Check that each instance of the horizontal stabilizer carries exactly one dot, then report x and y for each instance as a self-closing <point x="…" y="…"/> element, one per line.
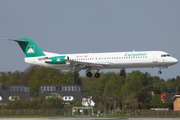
<point x="16" y="40"/>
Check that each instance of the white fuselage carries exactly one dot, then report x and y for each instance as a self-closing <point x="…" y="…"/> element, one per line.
<point x="111" y="60"/>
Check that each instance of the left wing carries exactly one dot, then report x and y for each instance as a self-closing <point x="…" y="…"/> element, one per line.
<point x="78" y="65"/>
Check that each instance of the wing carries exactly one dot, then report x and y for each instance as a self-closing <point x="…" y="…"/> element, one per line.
<point x="78" y="65"/>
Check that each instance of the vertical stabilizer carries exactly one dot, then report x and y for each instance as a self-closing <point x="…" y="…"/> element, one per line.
<point x="29" y="47"/>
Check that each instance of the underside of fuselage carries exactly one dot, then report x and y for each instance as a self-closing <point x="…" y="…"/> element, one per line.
<point x="111" y="66"/>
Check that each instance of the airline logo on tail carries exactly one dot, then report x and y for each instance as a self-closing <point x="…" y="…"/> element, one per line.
<point x="30" y="49"/>
<point x="58" y="59"/>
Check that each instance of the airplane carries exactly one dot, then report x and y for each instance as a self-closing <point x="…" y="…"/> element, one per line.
<point x="94" y="61"/>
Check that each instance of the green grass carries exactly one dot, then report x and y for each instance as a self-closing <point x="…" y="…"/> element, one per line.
<point x="138" y="116"/>
<point x="107" y="116"/>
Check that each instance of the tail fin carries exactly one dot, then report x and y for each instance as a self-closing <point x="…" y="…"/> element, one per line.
<point x="29" y="47"/>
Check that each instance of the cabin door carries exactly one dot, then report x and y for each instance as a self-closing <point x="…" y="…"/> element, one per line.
<point x="155" y="60"/>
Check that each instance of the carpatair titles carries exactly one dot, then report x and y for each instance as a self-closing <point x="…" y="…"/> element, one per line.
<point x="134" y="54"/>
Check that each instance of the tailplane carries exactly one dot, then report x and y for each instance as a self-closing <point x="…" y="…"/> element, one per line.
<point x="29" y="47"/>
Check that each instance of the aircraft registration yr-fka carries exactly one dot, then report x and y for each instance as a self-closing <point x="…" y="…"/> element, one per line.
<point x="94" y="61"/>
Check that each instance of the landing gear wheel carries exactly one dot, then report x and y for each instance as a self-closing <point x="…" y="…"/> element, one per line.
<point x="89" y="74"/>
<point x="96" y="75"/>
<point x="159" y="72"/>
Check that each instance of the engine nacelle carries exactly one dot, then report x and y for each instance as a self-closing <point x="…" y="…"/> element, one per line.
<point x="56" y="60"/>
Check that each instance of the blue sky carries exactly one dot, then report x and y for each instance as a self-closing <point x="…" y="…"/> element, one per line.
<point x="89" y="26"/>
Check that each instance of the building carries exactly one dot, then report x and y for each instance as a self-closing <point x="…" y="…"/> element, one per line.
<point x="176" y="101"/>
<point x="167" y="97"/>
<point x="69" y="93"/>
<point x="8" y="91"/>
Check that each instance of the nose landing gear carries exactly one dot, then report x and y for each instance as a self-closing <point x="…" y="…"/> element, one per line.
<point x="159" y="71"/>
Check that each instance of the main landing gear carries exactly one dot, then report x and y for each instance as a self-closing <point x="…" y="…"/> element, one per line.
<point x="89" y="74"/>
<point x="96" y="75"/>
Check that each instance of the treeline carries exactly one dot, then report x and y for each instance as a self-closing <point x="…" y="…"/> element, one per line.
<point x="34" y="76"/>
<point x="111" y="90"/>
<point x="131" y="90"/>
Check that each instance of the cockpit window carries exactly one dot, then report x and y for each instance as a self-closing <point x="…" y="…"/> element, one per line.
<point x="165" y="55"/>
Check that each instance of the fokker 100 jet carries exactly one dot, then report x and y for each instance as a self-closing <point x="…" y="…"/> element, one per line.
<point x="94" y="61"/>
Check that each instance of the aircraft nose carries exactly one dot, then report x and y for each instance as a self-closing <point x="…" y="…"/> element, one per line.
<point x="176" y="61"/>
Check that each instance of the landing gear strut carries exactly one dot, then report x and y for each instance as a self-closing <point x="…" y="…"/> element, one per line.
<point x="160" y="70"/>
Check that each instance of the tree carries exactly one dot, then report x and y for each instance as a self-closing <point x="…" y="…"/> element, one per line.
<point x="113" y="88"/>
<point x="77" y="78"/>
<point x="178" y="88"/>
<point x="13" y="78"/>
<point x="15" y="102"/>
<point x="28" y="74"/>
<point x="130" y="91"/>
<point x="176" y="82"/>
<point x="123" y="72"/>
<point x="45" y="76"/>
<point x="56" y="101"/>
<point x="91" y="87"/>
<point x="35" y="103"/>
<point x="156" y="99"/>
<point x="144" y="97"/>
<point x="146" y="79"/>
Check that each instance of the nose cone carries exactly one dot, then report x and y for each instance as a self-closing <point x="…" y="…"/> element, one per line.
<point x="175" y="61"/>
